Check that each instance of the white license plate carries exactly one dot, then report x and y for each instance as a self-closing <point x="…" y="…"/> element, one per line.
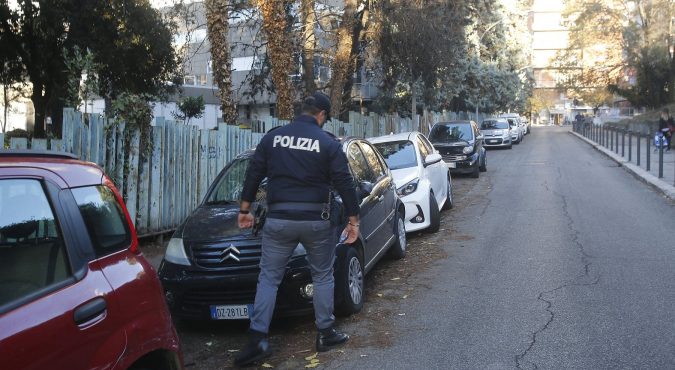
<point x="452" y="165"/>
<point x="231" y="312"/>
<point x="492" y="141"/>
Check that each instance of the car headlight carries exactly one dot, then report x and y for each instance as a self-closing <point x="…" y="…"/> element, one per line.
<point x="467" y="150"/>
<point x="408" y="188"/>
<point x="499" y="132"/>
<point x="175" y="252"/>
<point x="299" y="251"/>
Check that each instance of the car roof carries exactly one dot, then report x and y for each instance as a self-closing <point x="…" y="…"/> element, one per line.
<point x="403" y="136"/>
<point x="62" y="168"/>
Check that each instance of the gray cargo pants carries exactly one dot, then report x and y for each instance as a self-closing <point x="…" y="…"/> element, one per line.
<point x="280" y="237"/>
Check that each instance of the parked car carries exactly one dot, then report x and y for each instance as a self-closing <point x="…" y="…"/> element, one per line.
<point x="460" y="143"/>
<point x="75" y="291"/>
<point x="515" y="122"/>
<point x="422" y="178"/>
<point x="497" y="133"/>
<point x="211" y="267"/>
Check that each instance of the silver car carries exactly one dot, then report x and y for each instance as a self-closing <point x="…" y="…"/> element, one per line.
<point x="497" y="133"/>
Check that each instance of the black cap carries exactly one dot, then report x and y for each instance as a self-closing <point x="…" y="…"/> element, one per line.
<point x="320" y="101"/>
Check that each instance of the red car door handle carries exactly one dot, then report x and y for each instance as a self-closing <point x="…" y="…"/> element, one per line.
<point x="90" y="311"/>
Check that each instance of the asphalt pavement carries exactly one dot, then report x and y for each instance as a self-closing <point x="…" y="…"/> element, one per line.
<point x="565" y="262"/>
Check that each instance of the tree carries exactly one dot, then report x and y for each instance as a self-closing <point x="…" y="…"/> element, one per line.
<point x="280" y="51"/>
<point x="217" y="21"/>
<point x="349" y="37"/>
<point x="421" y="44"/>
<point x="308" y="14"/>
<point x="621" y="46"/>
<point x="189" y="108"/>
<point x="129" y="40"/>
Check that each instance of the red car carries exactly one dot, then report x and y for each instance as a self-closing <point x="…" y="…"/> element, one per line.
<point x="75" y="291"/>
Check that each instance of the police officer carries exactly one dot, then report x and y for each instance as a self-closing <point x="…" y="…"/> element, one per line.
<point x="301" y="161"/>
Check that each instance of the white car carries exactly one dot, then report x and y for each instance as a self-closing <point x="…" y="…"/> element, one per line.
<point x="514" y="118"/>
<point x="421" y="176"/>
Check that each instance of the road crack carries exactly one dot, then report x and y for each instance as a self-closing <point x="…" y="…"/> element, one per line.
<point x="583" y="279"/>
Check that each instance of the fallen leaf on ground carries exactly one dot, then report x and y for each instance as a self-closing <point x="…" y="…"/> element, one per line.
<point x="232" y="350"/>
<point x="364" y="355"/>
<point x="209" y="343"/>
<point x="315" y="361"/>
<point x="405" y="296"/>
<point x="267" y="365"/>
<point x="379" y="294"/>
<point x="396" y="278"/>
<point x="312" y="365"/>
<point x="401" y="314"/>
<point x="310" y="358"/>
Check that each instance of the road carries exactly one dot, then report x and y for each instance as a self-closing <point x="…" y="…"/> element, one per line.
<point x="556" y="258"/>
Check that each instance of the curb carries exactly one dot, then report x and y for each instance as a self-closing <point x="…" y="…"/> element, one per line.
<point x="661" y="186"/>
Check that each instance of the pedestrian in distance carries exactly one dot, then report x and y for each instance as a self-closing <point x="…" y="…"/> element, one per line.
<point x="665" y="126"/>
<point x="301" y="162"/>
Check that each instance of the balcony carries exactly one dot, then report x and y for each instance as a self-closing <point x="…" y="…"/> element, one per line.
<point x="364" y="91"/>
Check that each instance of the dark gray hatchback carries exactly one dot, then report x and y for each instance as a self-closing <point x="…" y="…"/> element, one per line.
<point x="211" y="267"/>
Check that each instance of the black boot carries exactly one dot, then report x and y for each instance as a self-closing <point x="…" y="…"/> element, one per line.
<point x="326" y="339"/>
<point x="257" y="348"/>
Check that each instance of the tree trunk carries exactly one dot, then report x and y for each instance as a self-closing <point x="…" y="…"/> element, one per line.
<point x="309" y="45"/>
<point x="344" y="64"/>
<point x="40" y="106"/>
<point x="218" y="27"/>
<point x="279" y="50"/>
<point x="5" y="107"/>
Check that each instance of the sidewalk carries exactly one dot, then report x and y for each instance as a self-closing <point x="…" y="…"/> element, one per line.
<point x="664" y="185"/>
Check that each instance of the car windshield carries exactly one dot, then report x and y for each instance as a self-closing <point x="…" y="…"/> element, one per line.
<point x="398" y="154"/>
<point x="494" y="125"/>
<point x="231" y="183"/>
<point x="451" y="133"/>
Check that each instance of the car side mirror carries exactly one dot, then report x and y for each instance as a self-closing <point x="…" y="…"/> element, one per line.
<point x="431" y="159"/>
<point x="366" y="188"/>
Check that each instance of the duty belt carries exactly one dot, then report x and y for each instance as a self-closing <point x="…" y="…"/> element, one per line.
<point x="324" y="208"/>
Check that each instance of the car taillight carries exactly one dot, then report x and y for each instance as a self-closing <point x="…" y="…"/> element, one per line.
<point x="133" y="247"/>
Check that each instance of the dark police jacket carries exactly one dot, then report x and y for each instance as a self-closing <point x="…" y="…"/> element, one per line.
<point x="301" y="162"/>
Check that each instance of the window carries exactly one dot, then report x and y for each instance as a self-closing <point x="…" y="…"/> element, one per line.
<point x="32" y="252"/>
<point x="451" y="133"/>
<point x="429" y="148"/>
<point x="105" y="220"/>
<point x="358" y="164"/>
<point x="189" y="80"/>
<point x="424" y="151"/>
<point x="376" y="166"/>
<point x="493" y="124"/>
<point x="230" y="185"/>
<point x="398" y="154"/>
<point x="202" y="79"/>
<point x="209" y="67"/>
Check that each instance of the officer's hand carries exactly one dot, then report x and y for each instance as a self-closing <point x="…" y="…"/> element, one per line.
<point x="245" y="221"/>
<point x="352" y="233"/>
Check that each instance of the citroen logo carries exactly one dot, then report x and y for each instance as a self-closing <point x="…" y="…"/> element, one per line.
<point x="230" y="252"/>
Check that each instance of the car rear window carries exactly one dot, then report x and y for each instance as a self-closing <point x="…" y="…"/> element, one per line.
<point x="32" y="253"/>
<point x="451" y="133"/>
<point x="398" y="154"/>
<point x="492" y="125"/>
<point x="104" y="218"/>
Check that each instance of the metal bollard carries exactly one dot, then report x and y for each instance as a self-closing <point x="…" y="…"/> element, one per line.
<point x="639" y="137"/>
<point x="616" y="145"/>
<point x="611" y="138"/>
<point x="630" y="145"/>
<point x="661" y="161"/>
<point x="649" y="154"/>
<point x="623" y="142"/>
